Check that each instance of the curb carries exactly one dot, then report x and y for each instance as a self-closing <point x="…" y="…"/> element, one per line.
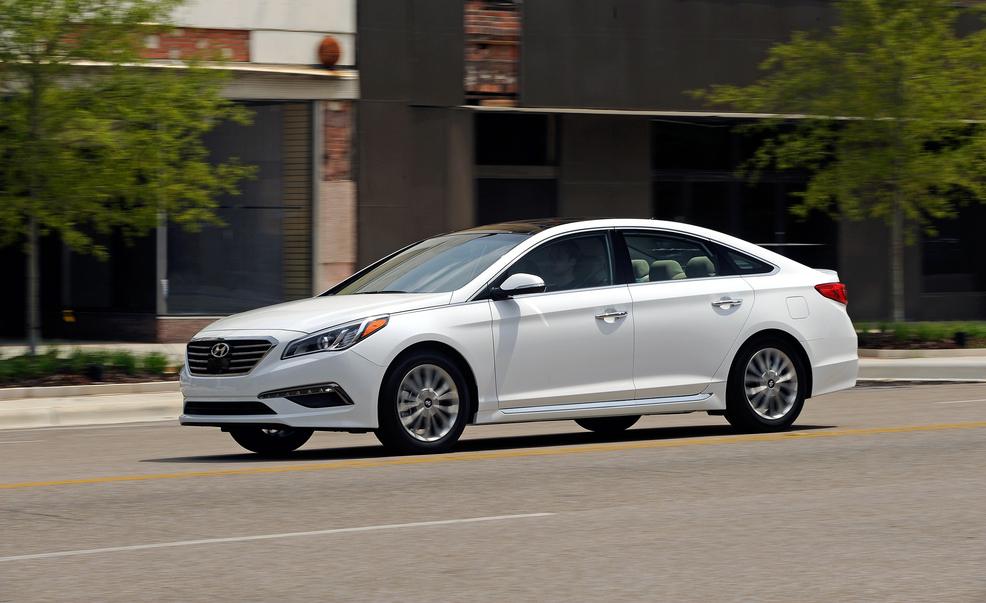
<point x="95" y="410"/>
<point x="68" y="391"/>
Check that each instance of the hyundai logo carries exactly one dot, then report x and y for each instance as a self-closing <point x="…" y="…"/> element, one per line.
<point x="220" y="350"/>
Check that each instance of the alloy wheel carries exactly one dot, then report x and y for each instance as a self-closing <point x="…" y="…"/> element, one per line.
<point x="771" y="383"/>
<point x="428" y="402"/>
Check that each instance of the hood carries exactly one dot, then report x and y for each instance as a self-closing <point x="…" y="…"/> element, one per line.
<point x="317" y="313"/>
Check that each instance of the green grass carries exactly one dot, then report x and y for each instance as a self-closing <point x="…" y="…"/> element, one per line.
<point x="917" y="332"/>
<point x="18" y="369"/>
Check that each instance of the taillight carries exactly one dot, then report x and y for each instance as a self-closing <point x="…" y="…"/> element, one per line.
<point x="834" y="291"/>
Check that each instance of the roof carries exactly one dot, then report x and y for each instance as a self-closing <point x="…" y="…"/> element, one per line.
<point x="525" y="226"/>
<point x="564" y="225"/>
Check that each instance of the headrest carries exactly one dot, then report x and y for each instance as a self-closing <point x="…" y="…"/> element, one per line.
<point x="640" y="269"/>
<point x="665" y="270"/>
<point x="699" y="266"/>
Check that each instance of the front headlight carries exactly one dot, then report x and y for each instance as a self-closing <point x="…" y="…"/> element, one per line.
<point x="335" y="339"/>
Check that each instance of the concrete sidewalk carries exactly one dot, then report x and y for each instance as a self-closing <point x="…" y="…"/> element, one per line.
<point x="939" y="368"/>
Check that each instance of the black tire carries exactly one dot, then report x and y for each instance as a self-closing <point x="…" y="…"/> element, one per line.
<point x="608" y="425"/>
<point x="740" y="410"/>
<point x="392" y="433"/>
<point x="271" y="442"/>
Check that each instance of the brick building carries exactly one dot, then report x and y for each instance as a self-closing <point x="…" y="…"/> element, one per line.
<point x="290" y="232"/>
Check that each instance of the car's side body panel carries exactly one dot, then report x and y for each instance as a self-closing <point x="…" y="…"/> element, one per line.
<point x="551" y="348"/>
<point x="463" y="327"/>
<point x="826" y="333"/>
<point x="681" y="337"/>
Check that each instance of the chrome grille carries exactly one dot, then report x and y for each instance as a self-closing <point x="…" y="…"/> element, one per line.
<point x="244" y="354"/>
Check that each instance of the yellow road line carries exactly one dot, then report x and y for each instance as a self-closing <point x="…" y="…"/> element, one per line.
<point x="503" y="454"/>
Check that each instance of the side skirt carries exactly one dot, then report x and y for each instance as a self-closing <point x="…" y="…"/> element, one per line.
<point x="615" y="408"/>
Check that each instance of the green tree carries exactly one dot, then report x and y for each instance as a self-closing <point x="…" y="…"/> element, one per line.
<point x="93" y="139"/>
<point x="889" y="109"/>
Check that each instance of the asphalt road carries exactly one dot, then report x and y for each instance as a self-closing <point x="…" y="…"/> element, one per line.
<point x="879" y="495"/>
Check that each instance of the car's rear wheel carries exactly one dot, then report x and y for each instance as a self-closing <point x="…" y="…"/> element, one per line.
<point x="767" y="386"/>
<point x="608" y="425"/>
<point x="270" y="441"/>
<point x="424" y="404"/>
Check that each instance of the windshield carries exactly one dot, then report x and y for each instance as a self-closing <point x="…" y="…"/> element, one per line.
<point x="437" y="265"/>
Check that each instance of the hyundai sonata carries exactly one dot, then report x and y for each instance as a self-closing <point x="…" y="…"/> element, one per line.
<point x="598" y="321"/>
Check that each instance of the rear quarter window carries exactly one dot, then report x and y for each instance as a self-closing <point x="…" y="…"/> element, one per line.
<point x="740" y="263"/>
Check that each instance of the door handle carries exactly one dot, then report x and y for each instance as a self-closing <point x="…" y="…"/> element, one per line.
<point x="611" y="314"/>
<point x="726" y="303"/>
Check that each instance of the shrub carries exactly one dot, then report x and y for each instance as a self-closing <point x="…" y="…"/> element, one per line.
<point x="124" y="361"/>
<point x="76" y="362"/>
<point x="154" y="363"/>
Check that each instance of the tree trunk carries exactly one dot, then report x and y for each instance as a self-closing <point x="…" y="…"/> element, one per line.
<point x="897" y="263"/>
<point x="33" y="249"/>
<point x="33" y="287"/>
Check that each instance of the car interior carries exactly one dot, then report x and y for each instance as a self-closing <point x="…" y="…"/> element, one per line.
<point x="655" y="258"/>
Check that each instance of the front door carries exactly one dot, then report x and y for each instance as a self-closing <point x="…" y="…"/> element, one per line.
<point x="574" y="342"/>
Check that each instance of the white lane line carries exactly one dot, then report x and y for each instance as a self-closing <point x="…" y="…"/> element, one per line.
<point x="163" y="545"/>
<point x="962" y="401"/>
<point x="20" y="441"/>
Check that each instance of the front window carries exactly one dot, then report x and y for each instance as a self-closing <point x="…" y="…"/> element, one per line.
<point x="576" y="262"/>
<point x="438" y="265"/>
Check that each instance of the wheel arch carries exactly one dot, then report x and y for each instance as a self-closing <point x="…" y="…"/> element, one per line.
<point x="786" y="338"/>
<point x="456" y="357"/>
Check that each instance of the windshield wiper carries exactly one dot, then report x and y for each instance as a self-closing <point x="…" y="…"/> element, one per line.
<point x="377" y="292"/>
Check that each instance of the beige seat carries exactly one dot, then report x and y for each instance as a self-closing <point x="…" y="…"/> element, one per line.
<point x="666" y="270"/>
<point x="641" y="270"/>
<point x="700" y="267"/>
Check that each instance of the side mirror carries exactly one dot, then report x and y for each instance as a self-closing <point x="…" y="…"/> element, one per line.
<point x="518" y="284"/>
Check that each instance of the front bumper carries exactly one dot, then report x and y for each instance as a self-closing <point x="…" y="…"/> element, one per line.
<point x="358" y="377"/>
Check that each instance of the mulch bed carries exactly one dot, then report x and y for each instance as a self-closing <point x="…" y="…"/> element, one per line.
<point x="108" y="378"/>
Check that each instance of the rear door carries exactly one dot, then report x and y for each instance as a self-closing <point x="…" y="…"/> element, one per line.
<point x="687" y="315"/>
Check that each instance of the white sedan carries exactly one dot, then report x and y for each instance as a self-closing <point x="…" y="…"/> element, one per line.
<point x="599" y="321"/>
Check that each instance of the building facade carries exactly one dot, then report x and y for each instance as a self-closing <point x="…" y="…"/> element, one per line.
<point x="487" y="110"/>
<point x="289" y="233"/>
<point x="437" y="115"/>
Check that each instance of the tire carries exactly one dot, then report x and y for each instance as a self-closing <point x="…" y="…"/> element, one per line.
<point x="271" y="441"/>
<point x="608" y="425"/>
<point x="759" y="394"/>
<point x="424" y="404"/>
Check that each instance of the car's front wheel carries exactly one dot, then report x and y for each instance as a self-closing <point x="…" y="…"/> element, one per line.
<point x="424" y="404"/>
<point x="767" y="386"/>
<point x="608" y="425"/>
<point x="271" y="441"/>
